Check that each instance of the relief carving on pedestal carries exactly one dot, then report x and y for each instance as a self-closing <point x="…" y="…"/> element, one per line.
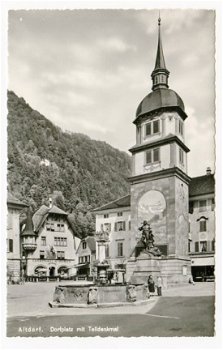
<point x="92" y="295"/>
<point x="59" y="295"/>
<point x="131" y="293"/>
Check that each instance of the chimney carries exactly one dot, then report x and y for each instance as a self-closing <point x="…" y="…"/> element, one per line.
<point x="50" y="202"/>
<point x="208" y="171"/>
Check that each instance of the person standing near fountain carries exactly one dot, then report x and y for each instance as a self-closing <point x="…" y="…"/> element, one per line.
<point x="159" y="286"/>
<point x="151" y="284"/>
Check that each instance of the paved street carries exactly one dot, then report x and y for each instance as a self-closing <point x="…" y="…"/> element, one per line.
<point x="182" y="311"/>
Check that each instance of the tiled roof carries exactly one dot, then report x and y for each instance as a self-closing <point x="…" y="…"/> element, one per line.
<point x="39" y="217"/>
<point x="56" y="210"/>
<point x="28" y="230"/>
<point x="13" y="200"/>
<point x="41" y="214"/>
<point x="202" y="185"/>
<point x="118" y="203"/>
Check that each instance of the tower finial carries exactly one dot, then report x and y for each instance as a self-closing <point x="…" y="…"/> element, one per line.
<point x="159" y="20"/>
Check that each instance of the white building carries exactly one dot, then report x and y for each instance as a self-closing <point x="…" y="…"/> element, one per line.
<point x="49" y="244"/>
<point x="13" y="238"/>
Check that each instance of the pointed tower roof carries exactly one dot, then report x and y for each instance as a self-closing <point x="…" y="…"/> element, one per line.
<point x="160" y="74"/>
<point x="28" y="231"/>
<point x="160" y="62"/>
<point x="161" y="96"/>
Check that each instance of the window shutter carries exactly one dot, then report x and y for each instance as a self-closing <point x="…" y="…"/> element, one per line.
<point x="11" y="245"/>
<point x="196" y="247"/>
<point x="123" y="225"/>
<point x="188" y="246"/>
<point x="115" y="226"/>
<point x="109" y="228"/>
<point x="208" y="246"/>
<point x="213" y="245"/>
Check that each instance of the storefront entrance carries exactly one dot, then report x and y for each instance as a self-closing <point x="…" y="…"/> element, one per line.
<point x="203" y="273"/>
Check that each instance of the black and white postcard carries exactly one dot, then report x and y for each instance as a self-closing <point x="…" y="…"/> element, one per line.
<point x="111" y="174"/>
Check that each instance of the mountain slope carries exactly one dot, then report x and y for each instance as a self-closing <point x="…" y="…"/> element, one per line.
<point x="43" y="159"/>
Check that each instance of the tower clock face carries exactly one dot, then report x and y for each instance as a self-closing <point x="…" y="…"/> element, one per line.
<point x="151" y="206"/>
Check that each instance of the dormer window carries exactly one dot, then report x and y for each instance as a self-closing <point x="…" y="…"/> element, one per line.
<point x="152" y="128"/>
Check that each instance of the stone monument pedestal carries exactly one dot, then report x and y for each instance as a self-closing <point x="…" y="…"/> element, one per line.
<point x="173" y="271"/>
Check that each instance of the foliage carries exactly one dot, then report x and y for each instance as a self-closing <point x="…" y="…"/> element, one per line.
<point x="77" y="172"/>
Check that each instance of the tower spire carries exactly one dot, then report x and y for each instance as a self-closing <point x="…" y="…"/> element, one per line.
<point x="160" y="74"/>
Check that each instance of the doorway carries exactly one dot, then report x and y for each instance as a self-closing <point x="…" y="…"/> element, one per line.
<point x="52" y="271"/>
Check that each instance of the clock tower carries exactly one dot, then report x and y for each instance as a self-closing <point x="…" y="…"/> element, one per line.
<point x="159" y="181"/>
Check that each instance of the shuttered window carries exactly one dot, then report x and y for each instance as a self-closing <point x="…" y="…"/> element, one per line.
<point x="120" y="226"/>
<point x="203" y="246"/>
<point x="120" y="248"/>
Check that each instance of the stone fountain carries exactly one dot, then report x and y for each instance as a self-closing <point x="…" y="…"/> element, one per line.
<point x="101" y="293"/>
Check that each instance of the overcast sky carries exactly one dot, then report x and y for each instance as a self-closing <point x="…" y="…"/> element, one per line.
<point x="87" y="70"/>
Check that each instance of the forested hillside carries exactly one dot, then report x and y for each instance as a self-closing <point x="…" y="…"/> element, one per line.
<point x="78" y="172"/>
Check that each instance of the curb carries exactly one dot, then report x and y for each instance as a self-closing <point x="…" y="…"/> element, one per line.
<point x="102" y="305"/>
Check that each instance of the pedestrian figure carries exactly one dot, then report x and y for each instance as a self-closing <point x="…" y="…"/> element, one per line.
<point x="151" y="284"/>
<point x="159" y="286"/>
<point x="191" y="281"/>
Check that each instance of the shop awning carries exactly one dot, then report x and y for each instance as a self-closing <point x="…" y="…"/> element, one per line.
<point x="205" y="261"/>
<point x="82" y="265"/>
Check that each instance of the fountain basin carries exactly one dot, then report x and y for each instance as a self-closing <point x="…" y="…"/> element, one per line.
<point x="91" y="295"/>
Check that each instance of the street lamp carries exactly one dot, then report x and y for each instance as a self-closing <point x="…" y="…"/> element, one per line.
<point x="24" y="268"/>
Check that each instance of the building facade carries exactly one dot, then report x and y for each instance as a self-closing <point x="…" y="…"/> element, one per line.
<point x="201" y="243"/>
<point x="86" y="253"/>
<point x="114" y="218"/>
<point x="14" y="207"/>
<point x="49" y="245"/>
